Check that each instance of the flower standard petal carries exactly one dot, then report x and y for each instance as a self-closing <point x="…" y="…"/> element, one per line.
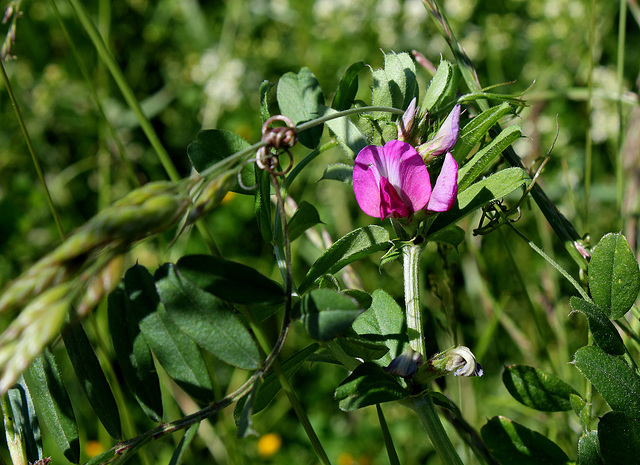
<point x="408" y="174"/>
<point x="446" y="188"/>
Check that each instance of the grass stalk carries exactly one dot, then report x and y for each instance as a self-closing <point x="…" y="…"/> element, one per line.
<point x="588" y="145"/>
<point x="34" y="158"/>
<point x="622" y="21"/>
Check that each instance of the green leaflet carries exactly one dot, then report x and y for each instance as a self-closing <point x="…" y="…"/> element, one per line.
<point x="305" y="217"/>
<point x="481" y="160"/>
<point x="348" y="87"/>
<point x="514" y="444"/>
<point x="326" y="313"/>
<point x="300" y="97"/>
<point x="616" y="381"/>
<point x="262" y="204"/>
<point x="92" y="379"/>
<point x="183" y="446"/>
<point x="369" y="384"/>
<point x="136" y="297"/>
<point x="383" y="323"/>
<point x="480" y="194"/>
<point x="338" y="172"/>
<point x="348" y="135"/>
<point x="206" y="319"/>
<point x="230" y="281"/>
<point x="214" y="145"/>
<point x="589" y="449"/>
<point x="537" y="389"/>
<point x="605" y="335"/>
<point x="476" y="129"/>
<point x="352" y="246"/>
<point x="614" y="278"/>
<point x="25" y="420"/>
<point x="443" y="86"/>
<point x="619" y="436"/>
<point x="53" y="405"/>
<point x="179" y="356"/>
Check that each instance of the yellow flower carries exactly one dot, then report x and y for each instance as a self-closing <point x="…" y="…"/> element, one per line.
<point x="269" y="444"/>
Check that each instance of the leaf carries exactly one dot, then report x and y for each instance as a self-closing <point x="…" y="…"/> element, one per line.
<point x="262" y="204"/>
<point x="326" y="313"/>
<point x="270" y="386"/>
<point x="135" y="298"/>
<point x="481" y="160"/>
<point x="581" y="409"/>
<point x="619" y="436"/>
<point x="353" y="246"/>
<point x="614" y="278"/>
<point x="348" y="135"/>
<point x="178" y="355"/>
<point x="245" y="419"/>
<point x="214" y="145"/>
<point x="25" y="420"/>
<point x="265" y="87"/>
<point x="395" y="85"/>
<point x="537" y="389"/>
<point x="443" y="86"/>
<point x="478" y="195"/>
<point x="183" y="445"/>
<point x="206" y="319"/>
<point x="589" y="449"/>
<point x="369" y="384"/>
<point x="338" y="172"/>
<point x="299" y="97"/>
<point x="230" y="281"/>
<point x="92" y="380"/>
<point x="514" y="444"/>
<point x="616" y="381"/>
<point x="383" y="322"/>
<point x="359" y="347"/>
<point x="604" y="333"/>
<point x="364" y="299"/>
<point x="348" y="87"/>
<point x="305" y="217"/>
<point x="476" y="129"/>
<point x="53" y="405"/>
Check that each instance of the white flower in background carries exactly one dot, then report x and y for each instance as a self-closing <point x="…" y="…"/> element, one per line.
<point x="222" y="80"/>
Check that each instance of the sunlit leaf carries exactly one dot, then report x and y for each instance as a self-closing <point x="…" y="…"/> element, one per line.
<point x="326" y="313"/>
<point x="443" y="86"/>
<point x="473" y="132"/>
<point x="206" y="319"/>
<point x="383" y="323"/>
<point x="299" y="97"/>
<point x="53" y="405"/>
<point x="351" y="247"/>
<point x="537" y="389"/>
<point x="305" y="217"/>
<point x="616" y="381"/>
<point x="348" y="87"/>
<point x="338" y="172"/>
<point x="604" y="333"/>
<point x="589" y="449"/>
<point x="614" y="278"/>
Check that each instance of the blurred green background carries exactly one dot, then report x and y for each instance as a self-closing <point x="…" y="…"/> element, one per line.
<point x="196" y="65"/>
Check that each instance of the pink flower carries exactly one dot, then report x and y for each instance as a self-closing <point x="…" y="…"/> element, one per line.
<point x="393" y="182"/>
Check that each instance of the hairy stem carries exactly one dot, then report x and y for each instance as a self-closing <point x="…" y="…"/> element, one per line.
<point x="415" y="329"/>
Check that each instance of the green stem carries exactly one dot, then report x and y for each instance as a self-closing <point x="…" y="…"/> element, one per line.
<point x="622" y="27"/>
<point x="588" y="145"/>
<point x="426" y="411"/>
<point x="125" y="89"/>
<point x="415" y="326"/>
<point x="27" y="138"/>
<point x="388" y="441"/>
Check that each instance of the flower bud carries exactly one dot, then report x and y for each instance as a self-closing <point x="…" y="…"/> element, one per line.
<point x="407" y="123"/>
<point x="444" y="139"/>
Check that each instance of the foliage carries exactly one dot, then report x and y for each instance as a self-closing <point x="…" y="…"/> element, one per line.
<point x="248" y="300"/>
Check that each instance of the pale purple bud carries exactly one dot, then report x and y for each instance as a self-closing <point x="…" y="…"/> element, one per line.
<point x="407" y="123"/>
<point x="444" y="139"/>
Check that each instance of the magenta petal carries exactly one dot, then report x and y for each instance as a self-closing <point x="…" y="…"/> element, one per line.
<point x="391" y="205"/>
<point x="366" y="180"/>
<point x="408" y="174"/>
<point x="446" y="188"/>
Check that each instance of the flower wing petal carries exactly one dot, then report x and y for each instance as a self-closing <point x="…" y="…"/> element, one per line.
<point x="446" y="188"/>
<point x="408" y="173"/>
<point x="366" y="179"/>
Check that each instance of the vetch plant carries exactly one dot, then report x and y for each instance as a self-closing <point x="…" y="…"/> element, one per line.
<point x="423" y="173"/>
